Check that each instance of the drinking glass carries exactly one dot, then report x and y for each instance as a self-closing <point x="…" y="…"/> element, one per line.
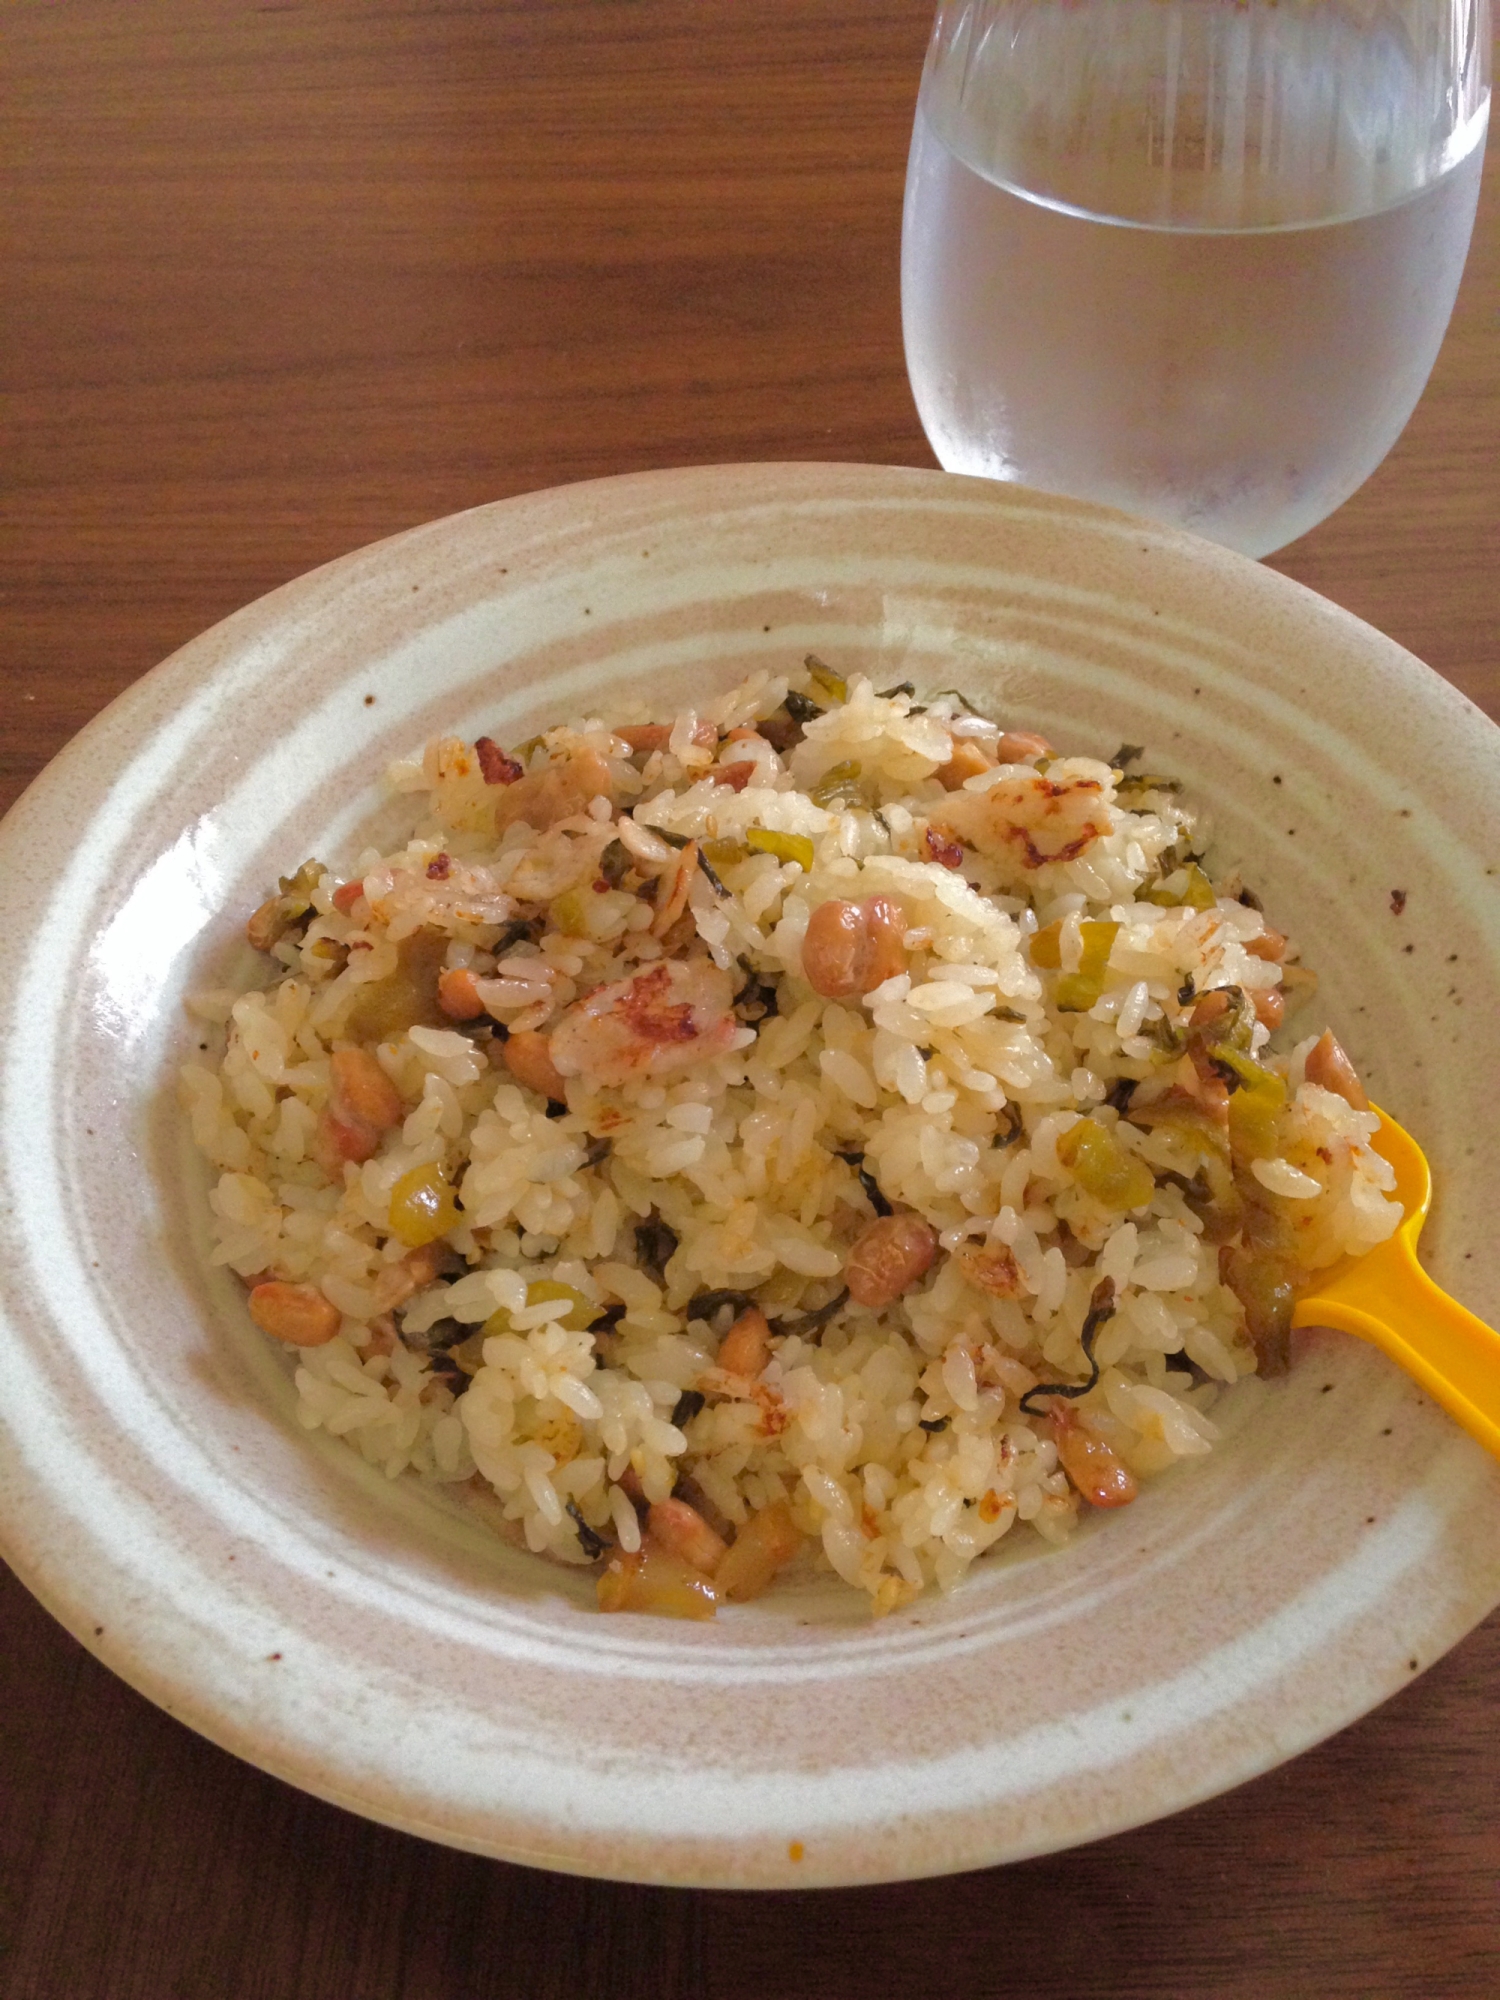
<point x="1193" y="258"/>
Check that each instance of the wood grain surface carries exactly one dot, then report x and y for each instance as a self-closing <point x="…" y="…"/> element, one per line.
<point x="281" y="280"/>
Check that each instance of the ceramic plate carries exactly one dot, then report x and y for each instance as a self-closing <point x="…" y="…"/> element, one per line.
<point x="368" y="1642"/>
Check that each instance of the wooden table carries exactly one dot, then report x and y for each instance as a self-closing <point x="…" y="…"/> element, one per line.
<point x="285" y="279"/>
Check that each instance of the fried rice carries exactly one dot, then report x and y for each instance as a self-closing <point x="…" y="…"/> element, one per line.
<point x="824" y="1129"/>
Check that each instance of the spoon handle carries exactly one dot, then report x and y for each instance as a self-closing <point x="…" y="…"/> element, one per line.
<point x="1445" y="1347"/>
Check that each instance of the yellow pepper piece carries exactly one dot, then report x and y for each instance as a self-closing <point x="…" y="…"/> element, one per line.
<point x="1266" y="1287"/>
<point x="581" y="1312"/>
<point x="1046" y="948"/>
<point x="569" y="915"/>
<point x="1200" y="891"/>
<point x="826" y="680"/>
<point x="723" y="852"/>
<point x="1076" y="991"/>
<point x="551" y="1425"/>
<point x="1254" y="1109"/>
<point x="405" y="998"/>
<point x="656" y="1581"/>
<point x="423" y="1207"/>
<point x="1103" y="1168"/>
<point x="785" y="846"/>
<point x="1196" y="890"/>
<point x="841" y="785"/>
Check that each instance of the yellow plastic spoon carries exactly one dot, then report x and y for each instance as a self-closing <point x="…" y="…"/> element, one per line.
<point x="1386" y="1297"/>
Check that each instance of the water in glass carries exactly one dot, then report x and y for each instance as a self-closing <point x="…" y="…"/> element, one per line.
<point x="1193" y="258"/>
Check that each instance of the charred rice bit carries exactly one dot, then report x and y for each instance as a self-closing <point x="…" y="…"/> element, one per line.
<point x="810" y="1130"/>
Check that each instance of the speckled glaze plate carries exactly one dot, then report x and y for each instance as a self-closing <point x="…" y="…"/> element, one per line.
<point x="369" y="1642"/>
